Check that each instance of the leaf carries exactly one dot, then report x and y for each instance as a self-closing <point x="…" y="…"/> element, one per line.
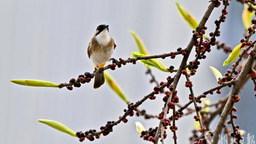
<point x="192" y="22"/>
<point x="151" y="62"/>
<point x="216" y="72"/>
<point x="139" y="127"/>
<point x="143" y="52"/>
<point x="58" y="126"/>
<point x="35" y="83"/>
<point x="233" y="55"/>
<point x="114" y="86"/>
<point x="140" y="44"/>
<point x="197" y="123"/>
<point x="247" y="16"/>
<point x="206" y="103"/>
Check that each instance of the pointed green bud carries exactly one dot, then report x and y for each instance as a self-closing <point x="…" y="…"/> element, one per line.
<point x="35" y="83"/>
<point x="114" y="86"/>
<point x="139" y="42"/>
<point x="58" y="126"/>
<point x="247" y="16"/>
<point x="233" y="55"/>
<point x="192" y="22"/>
<point x="151" y="62"/>
<point x="216" y="72"/>
<point x="139" y="127"/>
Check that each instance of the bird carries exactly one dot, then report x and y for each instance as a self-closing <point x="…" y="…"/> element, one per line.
<point x="100" y="50"/>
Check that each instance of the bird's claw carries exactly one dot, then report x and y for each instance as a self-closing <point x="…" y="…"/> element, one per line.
<point x="114" y="60"/>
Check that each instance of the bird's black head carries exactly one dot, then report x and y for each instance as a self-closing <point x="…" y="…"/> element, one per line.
<point x="100" y="28"/>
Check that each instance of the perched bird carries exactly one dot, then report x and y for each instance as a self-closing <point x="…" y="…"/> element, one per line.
<point x="99" y="50"/>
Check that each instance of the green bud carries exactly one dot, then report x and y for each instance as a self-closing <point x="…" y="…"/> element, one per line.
<point x="233" y="55"/>
<point x="247" y="17"/>
<point x="58" y="126"/>
<point x="139" y="42"/>
<point x="216" y="72"/>
<point x="139" y="127"/>
<point x="151" y="62"/>
<point x="192" y="22"/>
<point x="114" y="86"/>
<point x="35" y="83"/>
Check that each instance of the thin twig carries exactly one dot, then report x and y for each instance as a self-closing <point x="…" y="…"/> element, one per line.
<point x="207" y="92"/>
<point x="195" y="104"/>
<point x="153" y="79"/>
<point x="183" y="63"/>
<point x="236" y="88"/>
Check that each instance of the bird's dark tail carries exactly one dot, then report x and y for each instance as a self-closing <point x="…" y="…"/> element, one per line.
<point x="99" y="79"/>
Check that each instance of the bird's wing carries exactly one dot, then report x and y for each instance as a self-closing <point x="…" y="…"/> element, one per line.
<point x="89" y="49"/>
<point x="114" y="42"/>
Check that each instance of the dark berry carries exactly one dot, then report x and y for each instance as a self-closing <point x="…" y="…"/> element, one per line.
<point x="179" y="49"/>
<point x="88" y="75"/>
<point x="69" y="87"/>
<point x="72" y="81"/>
<point x="77" y="84"/>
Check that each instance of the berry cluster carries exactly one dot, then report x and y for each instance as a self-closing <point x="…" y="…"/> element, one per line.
<point x="76" y="82"/>
<point x="149" y="135"/>
<point x="88" y="134"/>
<point x="143" y="113"/>
<point x="202" y="45"/>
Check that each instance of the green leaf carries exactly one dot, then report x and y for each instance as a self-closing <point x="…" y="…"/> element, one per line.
<point x="206" y="103"/>
<point x="114" y="86"/>
<point x="192" y="22"/>
<point x="233" y="55"/>
<point x="143" y="52"/>
<point x="197" y="125"/>
<point x="58" y="126"/>
<point x="140" y="44"/>
<point x="216" y="72"/>
<point x="151" y="62"/>
<point x="247" y="16"/>
<point x="139" y="127"/>
<point x="35" y="83"/>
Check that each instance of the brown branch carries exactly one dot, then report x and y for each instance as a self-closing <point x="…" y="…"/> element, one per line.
<point x="153" y="79"/>
<point x="183" y="63"/>
<point x="236" y="88"/>
<point x="132" y="107"/>
<point x="213" y="115"/>
<point x="119" y="64"/>
<point x="232" y="122"/>
<point x="205" y="93"/>
<point x="244" y="52"/>
<point x="195" y="104"/>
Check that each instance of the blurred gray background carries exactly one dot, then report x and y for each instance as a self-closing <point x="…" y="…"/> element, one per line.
<point x="47" y="40"/>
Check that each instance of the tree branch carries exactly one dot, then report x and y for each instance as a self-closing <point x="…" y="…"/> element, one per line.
<point x="235" y="91"/>
<point x="183" y="63"/>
